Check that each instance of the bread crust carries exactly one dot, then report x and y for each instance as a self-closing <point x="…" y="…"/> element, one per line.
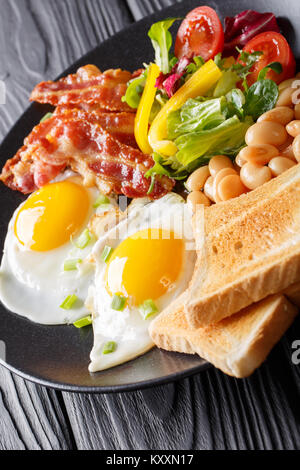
<point x="236" y="345"/>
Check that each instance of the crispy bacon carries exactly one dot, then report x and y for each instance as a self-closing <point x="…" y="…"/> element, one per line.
<point x="119" y="125"/>
<point x="89" y="86"/>
<point x="74" y="139"/>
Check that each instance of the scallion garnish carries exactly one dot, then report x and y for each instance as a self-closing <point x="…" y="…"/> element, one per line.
<point x="83" y="322"/>
<point x="101" y="200"/>
<point x="72" y="264"/>
<point x="84" y="239"/>
<point x="46" y="117"/>
<point x="151" y="185"/>
<point x="118" y="303"/>
<point x="69" y="302"/>
<point x="106" y="253"/>
<point x="147" y="309"/>
<point x="109" y="347"/>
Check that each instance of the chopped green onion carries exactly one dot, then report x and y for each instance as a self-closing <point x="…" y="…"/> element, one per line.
<point x="101" y="200"/>
<point x="46" y="117"/>
<point x="147" y="309"/>
<point x="109" y="347"/>
<point x="84" y="239"/>
<point x="72" y="264"/>
<point x="118" y="303"/>
<point x="151" y="185"/>
<point x="69" y="302"/>
<point x="106" y="253"/>
<point x="83" y="322"/>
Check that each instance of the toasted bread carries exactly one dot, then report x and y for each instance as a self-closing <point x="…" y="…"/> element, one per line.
<point x="248" y="248"/>
<point x="293" y="294"/>
<point x="236" y="345"/>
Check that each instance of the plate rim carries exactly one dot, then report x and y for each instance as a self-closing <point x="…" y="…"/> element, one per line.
<point x="110" y="389"/>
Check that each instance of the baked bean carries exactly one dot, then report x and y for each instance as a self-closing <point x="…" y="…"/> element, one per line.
<point x="253" y="176"/>
<point x="230" y="186"/>
<point x="296" y="148"/>
<point x="266" y="132"/>
<point x="286" y="97"/>
<point x="288" y="142"/>
<point x="293" y="128"/>
<point x="288" y="153"/>
<point x="259" y="154"/>
<point x="197" y="198"/>
<point x="240" y="161"/>
<point x="197" y="180"/>
<point x="280" y="164"/>
<point x="208" y="188"/>
<point x="217" y="163"/>
<point x="297" y="111"/>
<point x="281" y="114"/>
<point x="286" y="83"/>
<point x="219" y="176"/>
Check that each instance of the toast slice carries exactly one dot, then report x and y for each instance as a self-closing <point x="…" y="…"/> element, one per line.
<point x="248" y="248"/>
<point x="236" y="345"/>
<point x="293" y="294"/>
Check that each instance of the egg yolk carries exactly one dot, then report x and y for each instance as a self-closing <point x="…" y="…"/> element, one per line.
<point x="145" y="265"/>
<point x="52" y="215"/>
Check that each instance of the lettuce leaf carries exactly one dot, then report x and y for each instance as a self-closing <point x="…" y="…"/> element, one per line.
<point x="226" y="139"/>
<point x="135" y="90"/>
<point x="195" y="115"/>
<point x="162" y="41"/>
<point x="202" y="128"/>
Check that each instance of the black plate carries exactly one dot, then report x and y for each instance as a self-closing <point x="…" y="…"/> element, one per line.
<point x="58" y="356"/>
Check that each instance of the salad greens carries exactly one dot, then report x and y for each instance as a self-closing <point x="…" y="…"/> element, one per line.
<point x="134" y="90"/>
<point x="200" y="129"/>
<point x="209" y="125"/>
<point x="261" y="97"/>
<point x="162" y="42"/>
<point x="227" y="139"/>
<point x="196" y="115"/>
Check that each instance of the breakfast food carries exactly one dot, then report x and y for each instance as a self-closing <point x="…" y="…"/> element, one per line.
<point x="170" y="192"/>
<point x="236" y="345"/>
<point x="254" y="269"/>
<point x="41" y="262"/>
<point x="150" y="264"/>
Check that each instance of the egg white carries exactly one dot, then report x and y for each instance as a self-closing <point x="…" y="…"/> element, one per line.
<point x="128" y="328"/>
<point x="34" y="284"/>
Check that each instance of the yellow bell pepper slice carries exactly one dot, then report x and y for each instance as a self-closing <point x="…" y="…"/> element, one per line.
<point x="200" y="82"/>
<point x="141" y="125"/>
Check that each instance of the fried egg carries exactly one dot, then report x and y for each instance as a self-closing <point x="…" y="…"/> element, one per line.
<point x="151" y="261"/>
<point x="43" y="236"/>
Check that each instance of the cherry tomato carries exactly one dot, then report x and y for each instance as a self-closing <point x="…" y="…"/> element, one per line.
<point x="201" y="33"/>
<point x="275" y="48"/>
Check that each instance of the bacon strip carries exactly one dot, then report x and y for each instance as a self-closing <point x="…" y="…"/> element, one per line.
<point x="89" y="86"/>
<point x="74" y="140"/>
<point x="119" y="125"/>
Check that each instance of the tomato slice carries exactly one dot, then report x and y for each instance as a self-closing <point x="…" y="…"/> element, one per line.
<point x="275" y="48"/>
<point x="201" y="33"/>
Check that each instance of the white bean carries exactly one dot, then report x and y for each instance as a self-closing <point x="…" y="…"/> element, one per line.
<point x="253" y="176"/>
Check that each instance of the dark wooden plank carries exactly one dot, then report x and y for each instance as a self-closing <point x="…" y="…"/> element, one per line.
<point x="41" y="38"/>
<point x="142" y="8"/>
<point x="31" y="417"/>
<point x="208" y="411"/>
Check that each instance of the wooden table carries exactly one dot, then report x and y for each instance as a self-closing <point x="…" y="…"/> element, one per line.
<point x="38" y="40"/>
